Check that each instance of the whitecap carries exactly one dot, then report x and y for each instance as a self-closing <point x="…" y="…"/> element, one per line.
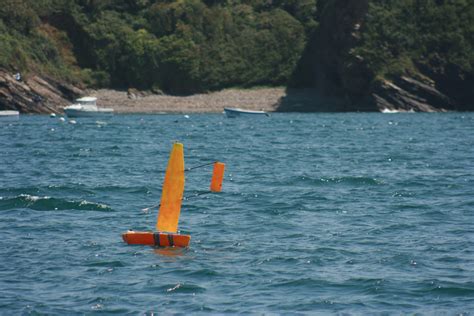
<point x="34" y="198"/>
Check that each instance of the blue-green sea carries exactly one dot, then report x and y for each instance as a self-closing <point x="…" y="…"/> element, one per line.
<point x="355" y="213"/>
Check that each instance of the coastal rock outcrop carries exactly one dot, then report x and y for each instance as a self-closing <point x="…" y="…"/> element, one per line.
<point x="337" y="70"/>
<point x="341" y="79"/>
<point x="345" y="79"/>
<point x="408" y="94"/>
<point x="34" y="94"/>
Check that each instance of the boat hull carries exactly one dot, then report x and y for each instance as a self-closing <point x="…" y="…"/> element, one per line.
<point x="236" y="112"/>
<point x="9" y="116"/>
<point x="157" y="239"/>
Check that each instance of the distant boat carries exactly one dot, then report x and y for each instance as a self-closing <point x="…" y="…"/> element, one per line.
<point x="85" y="107"/>
<point x="391" y="111"/>
<point x="9" y="115"/>
<point x="236" y="112"/>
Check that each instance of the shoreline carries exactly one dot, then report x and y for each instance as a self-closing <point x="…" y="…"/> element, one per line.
<point x="37" y="95"/>
<point x="133" y="101"/>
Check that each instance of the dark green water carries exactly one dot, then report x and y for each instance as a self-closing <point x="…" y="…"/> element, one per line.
<point x="320" y="213"/>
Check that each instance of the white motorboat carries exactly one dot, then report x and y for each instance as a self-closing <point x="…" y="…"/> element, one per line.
<point x="86" y="106"/>
<point x="236" y="112"/>
<point x="9" y="115"/>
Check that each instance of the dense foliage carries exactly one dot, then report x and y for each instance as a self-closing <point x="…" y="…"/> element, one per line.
<point x="177" y="46"/>
<point x="406" y="36"/>
<point x="28" y="45"/>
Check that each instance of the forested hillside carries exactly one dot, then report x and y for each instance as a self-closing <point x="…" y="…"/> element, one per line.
<point x="367" y="54"/>
<point x="176" y="46"/>
<point x="408" y="54"/>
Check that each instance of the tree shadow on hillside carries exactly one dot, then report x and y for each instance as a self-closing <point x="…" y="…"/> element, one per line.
<point x="304" y="91"/>
<point x="310" y="100"/>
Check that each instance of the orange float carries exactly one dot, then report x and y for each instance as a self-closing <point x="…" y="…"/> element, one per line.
<point x="217" y="176"/>
<point x="170" y="206"/>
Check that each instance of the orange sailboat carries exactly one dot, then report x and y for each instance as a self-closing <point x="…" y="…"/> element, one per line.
<point x="170" y="207"/>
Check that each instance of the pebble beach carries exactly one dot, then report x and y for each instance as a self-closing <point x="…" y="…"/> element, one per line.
<point x="266" y="99"/>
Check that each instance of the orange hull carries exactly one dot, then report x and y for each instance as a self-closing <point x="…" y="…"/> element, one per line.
<point x="156" y="239"/>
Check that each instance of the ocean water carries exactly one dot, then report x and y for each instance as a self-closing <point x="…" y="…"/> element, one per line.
<point x="320" y="213"/>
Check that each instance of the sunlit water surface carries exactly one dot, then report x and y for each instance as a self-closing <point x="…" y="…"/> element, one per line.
<point x="319" y="213"/>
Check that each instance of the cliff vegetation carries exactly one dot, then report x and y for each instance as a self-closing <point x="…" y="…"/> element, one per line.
<point x="353" y="54"/>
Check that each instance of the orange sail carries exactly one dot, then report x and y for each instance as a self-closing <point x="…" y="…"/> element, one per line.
<point x="172" y="192"/>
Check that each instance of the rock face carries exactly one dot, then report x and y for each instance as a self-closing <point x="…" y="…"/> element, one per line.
<point x="453" y="82"/>
<point x="408" y="94"/>
<point x="337" y="70"/>
<point x="343" y="81"/>
<point x="340" y="78"/>
<point x="34" y="94"/>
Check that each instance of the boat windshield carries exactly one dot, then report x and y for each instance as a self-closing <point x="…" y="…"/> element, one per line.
<point x="86" y="101"/>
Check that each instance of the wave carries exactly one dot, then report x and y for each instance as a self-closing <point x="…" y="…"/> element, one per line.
<point x="456" y="290"/>
<point x="349" y="180"/>
<point x="46" y="203"/>
<point x="182" y="288"/>
<point x="352" y="180"/>
<point x="107" y="263"/>
<point x="74" y="188"/>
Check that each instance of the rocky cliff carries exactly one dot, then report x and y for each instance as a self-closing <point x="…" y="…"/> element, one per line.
<point x="34" y="94"/>
<point x="346" y="80"/>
